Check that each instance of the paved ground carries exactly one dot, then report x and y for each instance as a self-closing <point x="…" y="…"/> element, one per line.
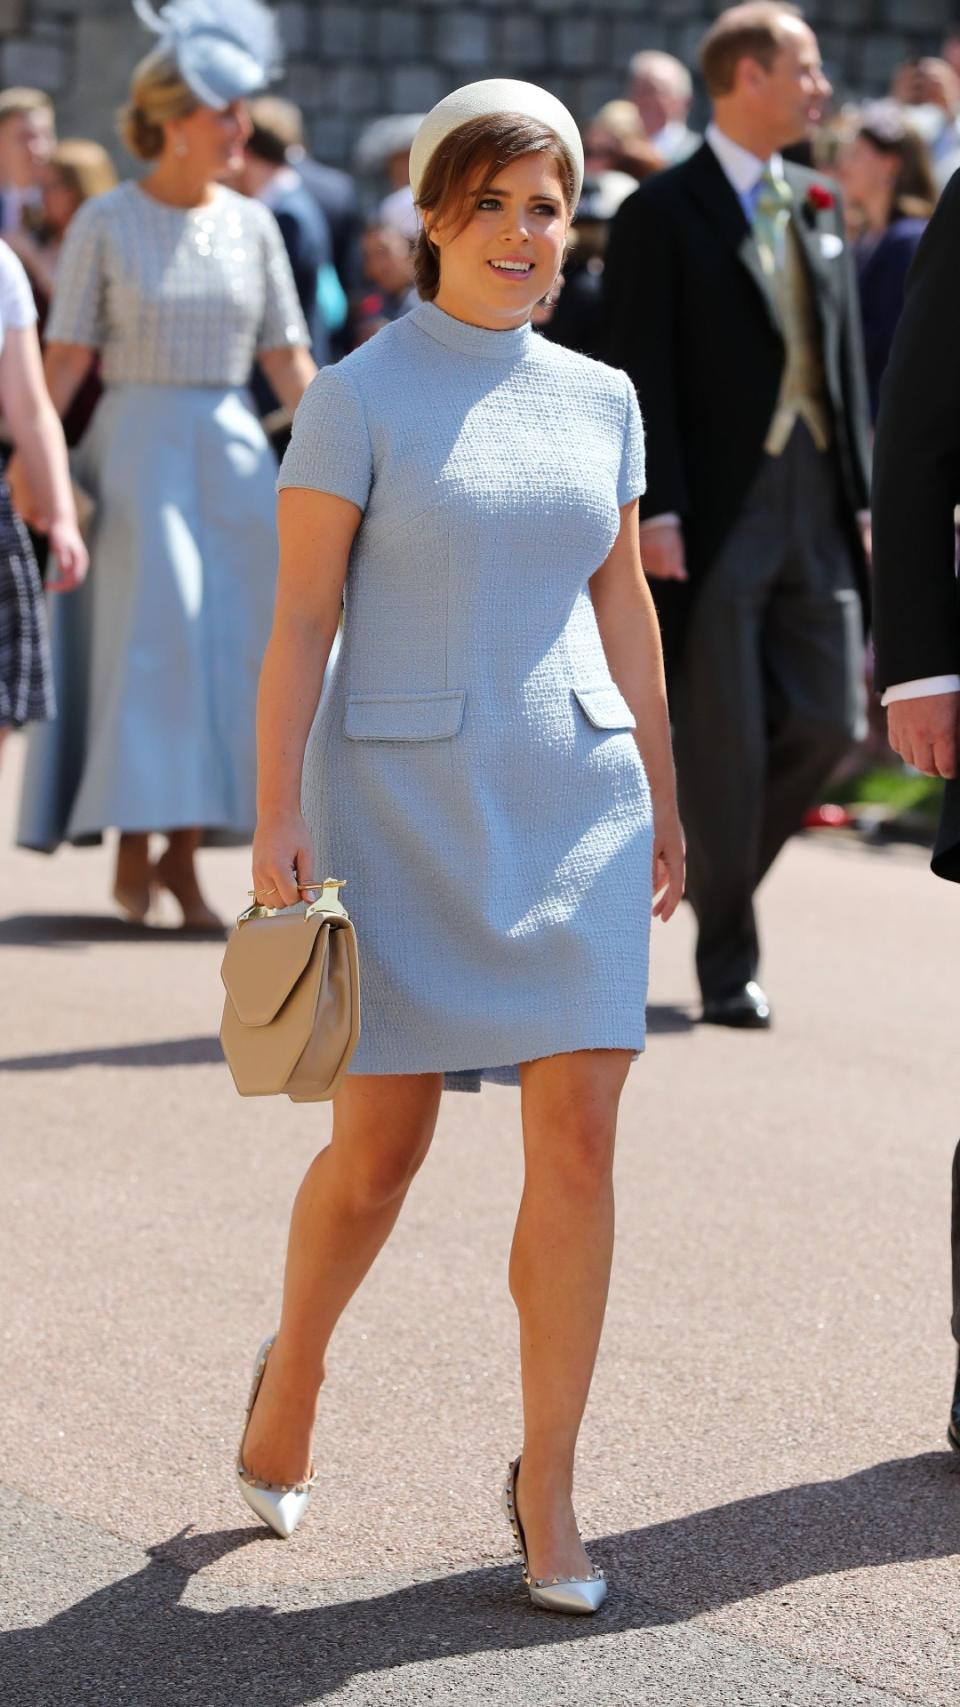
<point x="762" y="1464"/>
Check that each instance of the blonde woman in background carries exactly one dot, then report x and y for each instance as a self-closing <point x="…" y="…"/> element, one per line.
<point x="76" y="171"/>
<point x="180" y="283"/>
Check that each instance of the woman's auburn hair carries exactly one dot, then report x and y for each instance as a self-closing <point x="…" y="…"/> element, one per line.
<point x="468" y="159"/>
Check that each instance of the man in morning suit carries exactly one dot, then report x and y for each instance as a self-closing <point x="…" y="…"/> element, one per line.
<point x="731" y="303"/>
<point x="916" y="488"/>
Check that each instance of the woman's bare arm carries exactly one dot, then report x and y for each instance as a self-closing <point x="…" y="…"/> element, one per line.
<point x="631" y="640"/>
<point x="66" y="367"/>
<point x="289" y="371"/>
<point x="316" y="535"/>
<point x="38" y="436"/>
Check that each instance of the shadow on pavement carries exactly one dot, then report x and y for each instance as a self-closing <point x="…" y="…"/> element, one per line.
<point x="77" y="930"/>
<point x="134" y="1644"/>
<point x="175" y="1052"/>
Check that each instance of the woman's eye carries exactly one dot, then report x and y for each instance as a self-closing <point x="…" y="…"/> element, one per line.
<point x="487" y="203"/>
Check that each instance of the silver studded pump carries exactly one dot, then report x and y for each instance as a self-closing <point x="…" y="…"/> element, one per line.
<point x="279" y="1504"/>
<point x="554" y="1594"/>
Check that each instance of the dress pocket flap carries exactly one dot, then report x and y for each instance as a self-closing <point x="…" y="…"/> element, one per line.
<point x="605" y="707"/>
<point x="403" y="717"/>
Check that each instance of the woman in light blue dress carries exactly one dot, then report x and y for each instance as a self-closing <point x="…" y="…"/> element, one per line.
<point x="179" y="283"/>
<point x="490" y="770"/>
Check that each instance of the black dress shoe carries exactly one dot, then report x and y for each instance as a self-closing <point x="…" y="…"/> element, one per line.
<point x="953" y="1426"/>
<point x="746" y="1010"/>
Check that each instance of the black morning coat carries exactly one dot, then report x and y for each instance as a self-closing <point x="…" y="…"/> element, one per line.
<point x="916" y="486"/>
<point x="690" y="316"/>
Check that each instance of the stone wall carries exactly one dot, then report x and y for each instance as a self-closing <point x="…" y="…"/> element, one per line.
<point x="351" y="60"/>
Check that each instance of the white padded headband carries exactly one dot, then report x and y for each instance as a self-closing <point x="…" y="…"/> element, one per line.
<point x="483" y="100"/>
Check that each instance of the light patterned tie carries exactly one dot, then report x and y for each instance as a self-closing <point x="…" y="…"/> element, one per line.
<point x="771" y="212"/>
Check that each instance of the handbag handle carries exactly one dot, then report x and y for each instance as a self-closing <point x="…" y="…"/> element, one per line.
<point x="328" y="901"/>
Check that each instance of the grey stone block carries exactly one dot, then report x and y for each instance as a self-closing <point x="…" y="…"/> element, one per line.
<point x="415" y="88"/>
<point x="342" y="32"/>
<point x="41" y="65"/>
<point x="294" y="21"/>
<point x="398" y="33"/>
<point x="523" y="42"/>
<point x="879" y="58"/>
<point x="915" y="14"/>
<point x="308" y="87"/>
<point x="645" y="33"/>
<point x="594" y="92"/>
<point x="331" y="139"/>
<point x="855" y="13"/>
<point x="355" y="89"/>
<point x="104" y="53"/>
<point x="464" y="38"/>
<point x="684" y="41"/>
<point x="576" y="42"/>
<point x="90" y="10"/>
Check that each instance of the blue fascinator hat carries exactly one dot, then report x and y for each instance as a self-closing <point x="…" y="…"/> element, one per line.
<point x="225" y="50"/>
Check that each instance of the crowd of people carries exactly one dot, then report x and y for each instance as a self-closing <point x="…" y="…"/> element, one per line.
<point x="325" y="266"/>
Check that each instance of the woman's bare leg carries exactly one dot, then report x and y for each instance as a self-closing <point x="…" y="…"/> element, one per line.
<point x="559" y="1277"/>
<point x="347" y="1205"/>
<point x="176" y="869"/>
<point x="131" y="881"/>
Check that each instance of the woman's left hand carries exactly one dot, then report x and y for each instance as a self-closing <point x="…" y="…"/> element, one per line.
<point x="69" y="554"/>
<point x="669" y="860"/>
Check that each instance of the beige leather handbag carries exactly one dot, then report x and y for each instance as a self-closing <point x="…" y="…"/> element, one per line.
<point x="292" y="1014"/>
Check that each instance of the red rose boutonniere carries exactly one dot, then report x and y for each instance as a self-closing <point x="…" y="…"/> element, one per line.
<point x="820" y="199"/>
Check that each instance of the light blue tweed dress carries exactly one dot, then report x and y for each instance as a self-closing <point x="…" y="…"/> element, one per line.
<point x="472" y="771"/>
<point x="157" y="656"/>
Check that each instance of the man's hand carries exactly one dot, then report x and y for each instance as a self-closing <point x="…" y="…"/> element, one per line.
<point x="661" y="548"/>
<point x="924" y="732"/>
<point x="865" y="524"/>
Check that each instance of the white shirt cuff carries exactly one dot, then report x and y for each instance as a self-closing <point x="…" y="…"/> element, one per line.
<point x="668" y="519"/>
<point x="922" y="688"/>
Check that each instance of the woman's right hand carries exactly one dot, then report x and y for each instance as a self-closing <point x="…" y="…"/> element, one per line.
<point x="282" y="859"/>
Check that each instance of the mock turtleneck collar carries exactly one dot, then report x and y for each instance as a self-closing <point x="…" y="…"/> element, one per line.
<point x="472" y="340"/>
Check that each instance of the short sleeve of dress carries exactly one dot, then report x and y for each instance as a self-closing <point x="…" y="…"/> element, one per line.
<point x="282" y="324"/>
<point x="78" y="314"/>
<point x="329" y="448"/>
<point x="17" y="307"/>
<point x="632" y="481"/>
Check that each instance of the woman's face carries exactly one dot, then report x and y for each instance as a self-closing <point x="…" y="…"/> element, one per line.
<point x="864" y="171"/>
<point x="508" y="254"/>
<point x="60" y="200"/>
<point x="213" y="140"/>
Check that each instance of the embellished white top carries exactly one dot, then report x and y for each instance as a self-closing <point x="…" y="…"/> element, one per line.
<point x="175" y="296"/>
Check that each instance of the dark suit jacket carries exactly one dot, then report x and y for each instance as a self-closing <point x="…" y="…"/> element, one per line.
<point x="882" y="268"/>
<point x="691" y="317"/>
<point x="916" y="484"/>
<point x="306" y="236"/>
<point x="336" y="195"/>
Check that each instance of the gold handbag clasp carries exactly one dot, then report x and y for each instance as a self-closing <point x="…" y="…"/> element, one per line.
<point x="327" y="901"/>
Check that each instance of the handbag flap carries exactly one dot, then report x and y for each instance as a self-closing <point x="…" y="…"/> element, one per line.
<point x="264" y="960"/>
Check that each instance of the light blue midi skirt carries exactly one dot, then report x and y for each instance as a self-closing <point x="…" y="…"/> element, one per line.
<point x="156" y="658"/>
